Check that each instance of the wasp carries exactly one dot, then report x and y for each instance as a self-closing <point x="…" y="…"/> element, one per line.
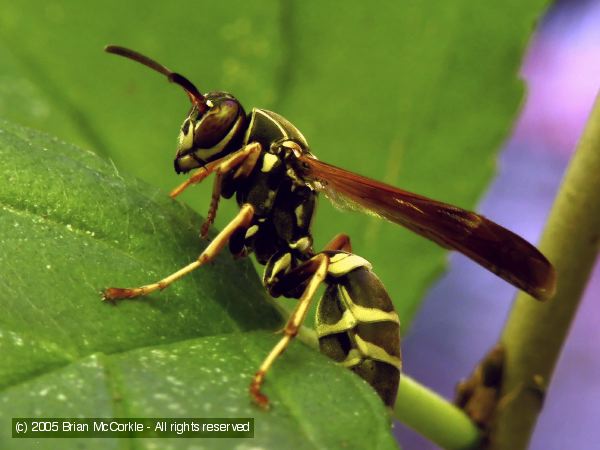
<point x="265" y="161"/>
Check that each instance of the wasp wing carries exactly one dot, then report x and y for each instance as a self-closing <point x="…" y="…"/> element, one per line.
<point x="492" y="246"/>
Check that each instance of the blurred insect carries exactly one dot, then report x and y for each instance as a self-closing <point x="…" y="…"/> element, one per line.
<point x="266" y="162"/>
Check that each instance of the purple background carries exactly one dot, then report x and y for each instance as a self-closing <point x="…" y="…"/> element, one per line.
<point x="457" y="323"/>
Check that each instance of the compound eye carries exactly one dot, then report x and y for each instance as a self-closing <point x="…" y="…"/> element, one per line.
<point x="216" y="124"/>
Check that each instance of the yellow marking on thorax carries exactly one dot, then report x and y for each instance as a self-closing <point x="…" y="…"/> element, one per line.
<point x="299" y="211"/>
<point x="301" y="244"/>
<point x="282" y="263"/>
<point x="269" y="160"/>
<point x="251" y="231"/>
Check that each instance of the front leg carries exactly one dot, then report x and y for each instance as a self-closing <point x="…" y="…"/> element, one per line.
<point x="244" y="161"/>
<point x="234" y="159"/>
<point x="242" y="220"/>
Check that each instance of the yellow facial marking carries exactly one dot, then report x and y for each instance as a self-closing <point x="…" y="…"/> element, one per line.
<point x="186" y="140"/>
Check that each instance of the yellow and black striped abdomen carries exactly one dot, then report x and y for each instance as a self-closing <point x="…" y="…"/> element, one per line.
<point x="357" y="325"/>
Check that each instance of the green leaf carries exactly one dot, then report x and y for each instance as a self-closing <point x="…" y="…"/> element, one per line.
<point x="70" y="225"/>
<point x="418" y="94"/>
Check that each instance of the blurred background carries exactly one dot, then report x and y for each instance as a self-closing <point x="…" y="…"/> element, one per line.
<point x="447" y="339"/>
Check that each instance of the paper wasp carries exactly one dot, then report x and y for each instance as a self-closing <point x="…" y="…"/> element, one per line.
<point x="266" y="162"/>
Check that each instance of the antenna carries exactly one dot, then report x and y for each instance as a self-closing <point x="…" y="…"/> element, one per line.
<point x="193" y="93"/>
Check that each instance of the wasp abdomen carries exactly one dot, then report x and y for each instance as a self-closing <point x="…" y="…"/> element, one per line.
<point x="357" y="325"/>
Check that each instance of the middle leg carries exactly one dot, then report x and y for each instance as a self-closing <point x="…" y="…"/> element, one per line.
<point x="234" y="158"/>
<point x="318" y="265"/>
<point x="244" y="162"/>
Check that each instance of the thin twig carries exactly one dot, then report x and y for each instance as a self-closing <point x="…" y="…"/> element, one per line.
<point x="434" y="417"/>
<point x="535" y="332"/>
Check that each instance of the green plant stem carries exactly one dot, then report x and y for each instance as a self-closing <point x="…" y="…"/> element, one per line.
<point x="535" y="332"/>
<point x="434" y="417"/>
<point x="425" y="411"/>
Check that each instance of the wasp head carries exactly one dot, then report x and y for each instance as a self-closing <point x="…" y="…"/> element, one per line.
<point x="210" y="131"/>
<point x="214" y="126"/>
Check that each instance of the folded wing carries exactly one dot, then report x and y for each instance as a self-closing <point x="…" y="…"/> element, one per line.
<point x="492" y="246"/>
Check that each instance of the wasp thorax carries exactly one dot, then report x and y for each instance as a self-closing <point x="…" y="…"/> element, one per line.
<point x="206" y="137"/>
